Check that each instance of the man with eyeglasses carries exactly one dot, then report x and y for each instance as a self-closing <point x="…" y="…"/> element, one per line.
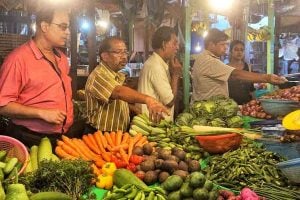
<point x="107" y="99"/>
<point x="210" y="75"/>
<point x="35" y="88"/>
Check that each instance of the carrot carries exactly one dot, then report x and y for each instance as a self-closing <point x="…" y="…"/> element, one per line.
<point x="88" y="151"/>
<point x="108" y="139"/>
<point x="130" y="146"/>
<point x="119" y="136"/>
<point x="98" y="141"/>
<point x="103" y="139"/>
<point x="95" y="169"/>
<point x="68" y="149"/>
<point x="87" y="142"/>
<point x="124" y="156"/>
<point x="137" y="137"/>
<point x="62" y="154"/>
<point x="125" y="138"/>
<point x="146" y="142"/>
<point x="68" y="141"/>
<point x="113" y="137"/>
<point x="117" y="148"/>
<point x="141" y="141"/>
<point x="106" y="156"/>
<point x="92" y="138"/>
<point x="85" y="155"/>
<point x="100" y="163"/>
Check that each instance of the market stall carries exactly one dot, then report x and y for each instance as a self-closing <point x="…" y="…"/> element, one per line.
<point x="205" y="154"/>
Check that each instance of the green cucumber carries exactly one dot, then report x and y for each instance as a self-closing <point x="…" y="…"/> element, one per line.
<point x="2" y="193"/>
<point x="34" y="157"/>
<point x="45" y="150"/>
<point x="1" y="175"/>
<point x="50" y="196"/>
<point x="2" y="155"/>
<point x="11" y="163"/>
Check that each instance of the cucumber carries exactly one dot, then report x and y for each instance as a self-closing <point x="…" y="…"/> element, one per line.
<point x="2" y="155"/>
<point x="2" y="164"/>
<point x="33" y="157"/>
<point x="45" y="150"/>
<point x="50" y="196"/>
<point x="2" y="193"/>
<point x="1" y="175"/>
<point x="10" y="165"/>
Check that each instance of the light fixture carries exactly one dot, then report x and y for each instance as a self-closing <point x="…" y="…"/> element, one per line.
<point x="221" y="4"/>
<point x="198" y="47"/>
<point x="102" y="23"/>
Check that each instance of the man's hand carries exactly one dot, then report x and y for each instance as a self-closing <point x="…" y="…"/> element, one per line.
<point x="274" y="79"/>
<point x="175" y="67"/>
<point x="156" y="110"/>
<point x="53" y="116"/>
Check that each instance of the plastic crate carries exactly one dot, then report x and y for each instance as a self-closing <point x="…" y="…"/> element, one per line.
<point x="287" y="150"/>
<point x="291" y="169"/>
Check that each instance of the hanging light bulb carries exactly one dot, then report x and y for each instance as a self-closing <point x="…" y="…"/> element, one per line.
<point x="198" y="47"/>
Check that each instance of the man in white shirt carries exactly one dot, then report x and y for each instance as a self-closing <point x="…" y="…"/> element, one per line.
<point x="161" y="71"/>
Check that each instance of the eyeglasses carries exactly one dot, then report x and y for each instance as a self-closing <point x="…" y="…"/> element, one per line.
<point x="119" y="52"/>
<point x="62" y="26"/>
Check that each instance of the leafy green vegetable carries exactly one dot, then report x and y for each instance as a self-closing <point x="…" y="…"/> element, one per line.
<point x="235" y="122"/>
<point x="184" y="119"/>
<point x="217" y="122"/>
<point x="199" y="121"/>
<point x="72" y="177"/>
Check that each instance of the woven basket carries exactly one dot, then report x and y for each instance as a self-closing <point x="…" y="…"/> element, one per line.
<point x="15" y="148"/>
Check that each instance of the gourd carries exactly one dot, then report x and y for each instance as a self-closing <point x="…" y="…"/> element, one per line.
<point x="292" y="121"/>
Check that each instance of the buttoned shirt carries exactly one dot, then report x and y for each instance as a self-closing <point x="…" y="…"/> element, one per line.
<point x="209" y="76"/>
<point x="155" y="81"/>
<point x="104" y="113"/>
<point x="28" y="78"/>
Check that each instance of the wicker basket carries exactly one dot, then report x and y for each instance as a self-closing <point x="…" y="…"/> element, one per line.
<point x="16" y="149"/>
<point x="291" y="169"/>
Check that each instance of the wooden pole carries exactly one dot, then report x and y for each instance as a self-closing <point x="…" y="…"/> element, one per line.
<point x="187" y="50"/>
<point x="270" y="43"/>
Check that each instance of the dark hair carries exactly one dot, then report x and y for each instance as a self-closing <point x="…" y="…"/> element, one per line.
<point x="161" y="35"/>
<point x="215" y="35"/>
<point x="234" y="43"/>
<point x="106" y="44"/>
<point x="46" y="13"/>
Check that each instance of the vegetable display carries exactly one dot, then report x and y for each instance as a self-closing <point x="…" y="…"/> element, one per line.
<point x="254" y="109"/>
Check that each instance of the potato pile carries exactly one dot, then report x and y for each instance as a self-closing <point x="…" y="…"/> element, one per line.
<point x="159" y="165"/>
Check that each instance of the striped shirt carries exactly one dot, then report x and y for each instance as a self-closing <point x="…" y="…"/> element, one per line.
<point x="209" y="76"/>
<point x="104" y="113"/>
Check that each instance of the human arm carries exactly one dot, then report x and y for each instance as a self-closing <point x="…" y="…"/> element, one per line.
<point x="156" y="109"/>
<point x="175" y="72"/>
<point x="256" y="77"/>
<point x="16" y="110"/>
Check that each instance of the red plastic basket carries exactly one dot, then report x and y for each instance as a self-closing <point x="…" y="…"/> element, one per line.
<point x="16" y="149"/>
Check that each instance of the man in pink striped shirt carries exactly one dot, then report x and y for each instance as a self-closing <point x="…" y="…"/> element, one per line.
<point x="35" y="88"/>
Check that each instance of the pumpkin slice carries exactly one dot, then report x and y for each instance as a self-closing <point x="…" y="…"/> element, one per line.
<point x="292" y="121"/>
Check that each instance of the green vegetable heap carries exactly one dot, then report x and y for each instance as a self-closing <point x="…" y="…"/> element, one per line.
<point x="218" y="111"/>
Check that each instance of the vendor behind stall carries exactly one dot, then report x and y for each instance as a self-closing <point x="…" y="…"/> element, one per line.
<point x="107" y="99"/>
<point x="35" y="88"/>
<point x="210" y="75"/>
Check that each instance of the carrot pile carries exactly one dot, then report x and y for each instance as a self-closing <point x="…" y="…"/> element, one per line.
<point x="100" y="147"/>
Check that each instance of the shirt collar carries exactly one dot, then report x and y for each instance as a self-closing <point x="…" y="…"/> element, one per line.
<point x="211" y="54"/>
<point x="118" y="76"/>
<point x="37" y="52"/>
<point x="163" y="63"/>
